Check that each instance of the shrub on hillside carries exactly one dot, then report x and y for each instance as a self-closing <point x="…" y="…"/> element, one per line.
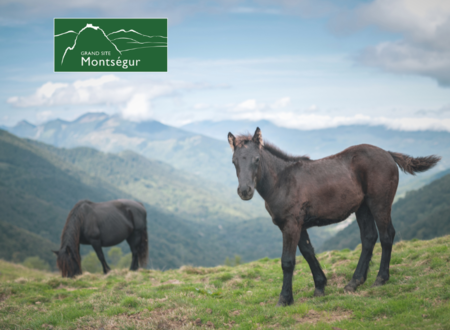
<point x="115" y="254"/>
<point x="91" y="264"/>
<point x="36" y="263"/>
<point x="125" y="261"/>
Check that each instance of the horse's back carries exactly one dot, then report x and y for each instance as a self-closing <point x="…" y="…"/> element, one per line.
<point x="114" y="221"/>
<point x="375" y="168"/>
<point x="136" y="209"/>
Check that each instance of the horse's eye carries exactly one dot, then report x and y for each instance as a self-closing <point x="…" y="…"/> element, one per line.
<point x="257" y="160"/>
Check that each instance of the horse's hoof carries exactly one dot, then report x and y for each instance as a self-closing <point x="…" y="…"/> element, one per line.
<point x="349" y="288"/>
<point x="319" y="292"/>
<point x="282" y="302"/>
<point x="379" y="282"/>
<point x="352" y="285"/>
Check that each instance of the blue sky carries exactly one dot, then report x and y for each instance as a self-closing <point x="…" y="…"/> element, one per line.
<point x="302" y="64"/>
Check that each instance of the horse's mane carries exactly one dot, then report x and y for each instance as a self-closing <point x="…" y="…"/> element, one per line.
<point x="243" y="139"/>
<point x="70" y="237"/>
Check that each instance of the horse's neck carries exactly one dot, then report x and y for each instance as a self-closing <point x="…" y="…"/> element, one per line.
<point x="271" y="167"/>
<point x="71" y="234"/>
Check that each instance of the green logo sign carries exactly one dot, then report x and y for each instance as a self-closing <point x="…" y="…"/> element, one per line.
<point x="110" y="44"/>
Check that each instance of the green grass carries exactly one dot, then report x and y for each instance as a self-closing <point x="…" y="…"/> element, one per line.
<point x="416" y="297"/>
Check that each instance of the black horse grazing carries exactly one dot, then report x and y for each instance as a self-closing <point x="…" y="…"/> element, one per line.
<point x="103" y="224"/>
<point x="301" y="193"/>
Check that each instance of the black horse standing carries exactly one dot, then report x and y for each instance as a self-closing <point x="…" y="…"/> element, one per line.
<point x="103" y="224"/>
<point x="300" y="193"/>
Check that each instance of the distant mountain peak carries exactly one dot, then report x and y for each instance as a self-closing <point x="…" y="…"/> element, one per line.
<point x="92" y="116"/>
<point x="23" y="123"/>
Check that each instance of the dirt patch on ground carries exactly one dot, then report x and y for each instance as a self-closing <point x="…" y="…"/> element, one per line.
<point x="232" y="283"/>
<point x="176" y="282"/>
<point x="21" y="280"/>
<point x="314" y="317"/>
<point x="61" y="286"/>
<point x="158" y="319"/>
<point x="336" y="280"/>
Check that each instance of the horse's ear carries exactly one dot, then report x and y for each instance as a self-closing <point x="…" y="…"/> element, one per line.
<point x="231" y="141"/>
<point x="257" y="138"/>
<point x="56" y="252"/>
<point x="68" y="249"/>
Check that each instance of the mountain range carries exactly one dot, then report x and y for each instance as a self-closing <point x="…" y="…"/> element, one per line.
<point x="195" y="153"/>
<point x="201" y="148"/>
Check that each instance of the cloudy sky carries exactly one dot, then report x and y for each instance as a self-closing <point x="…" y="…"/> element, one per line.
<point x="305" y="64"/>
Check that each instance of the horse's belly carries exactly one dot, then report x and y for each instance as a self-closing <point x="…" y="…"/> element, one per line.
<point x="111" y="237"/>
<point x="336" y="210"/>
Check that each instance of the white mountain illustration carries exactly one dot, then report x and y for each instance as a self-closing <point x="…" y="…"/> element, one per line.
<point x="122" y="40"/>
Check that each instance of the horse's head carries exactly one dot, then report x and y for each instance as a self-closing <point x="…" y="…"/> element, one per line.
<point x="68" y="262"/>
<point x="246" y="159"/>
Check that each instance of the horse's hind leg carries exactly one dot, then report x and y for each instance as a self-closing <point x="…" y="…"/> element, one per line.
<point x="369" y="237"/>
<point x="133" y="240"/>
<point x="380" y="196"/>
<point x="307" y="251"/>
<point x="387" y="234"/>
<point x="97" y="245"/>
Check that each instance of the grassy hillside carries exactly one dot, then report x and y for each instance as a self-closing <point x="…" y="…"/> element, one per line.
<point x="416" y="297"/>
<point x="17" y="244"/>
<point x="423" y="214"/>
<point x="160" y="185"/>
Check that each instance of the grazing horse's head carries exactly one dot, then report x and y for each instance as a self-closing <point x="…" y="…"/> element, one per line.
<point x="68" y="262"/>
<point x="246" y="159"/>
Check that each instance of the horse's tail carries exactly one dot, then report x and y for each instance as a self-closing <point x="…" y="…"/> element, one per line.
<point x="413" y="165"/>
<point x="143" y="249"/>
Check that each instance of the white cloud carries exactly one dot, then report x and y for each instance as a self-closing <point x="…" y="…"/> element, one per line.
<point x="248" y="105"/>
<point x="138" y="108"/>
<point x="95" y="82"/>
<point x="424" y="26"/>
<point x="251" y="105"/>
<point x="310" y="118"/>
<point x="44" y="115"/>
<point x="48" y="89"/>
<point x="314" y="121"/>
<point x="107" y="89"/>
<point x="133" y="99"/>
<point x="281" y="103"/>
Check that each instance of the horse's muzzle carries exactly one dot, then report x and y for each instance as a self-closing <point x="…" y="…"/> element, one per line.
<point x="246" y="193"/>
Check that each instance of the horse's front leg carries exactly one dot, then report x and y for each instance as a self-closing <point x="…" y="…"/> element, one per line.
<point x="97" y="245"/>
<point x="291" y="234"/>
